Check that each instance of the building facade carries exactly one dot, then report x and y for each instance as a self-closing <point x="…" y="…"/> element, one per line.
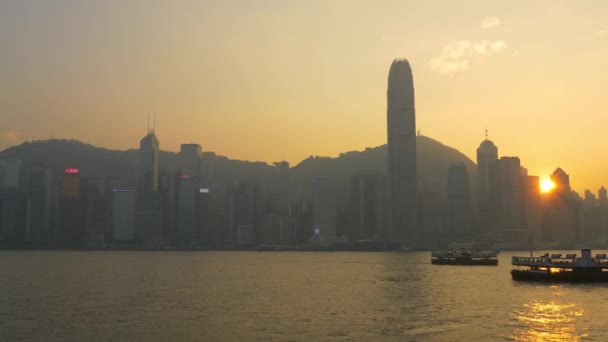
<point x="123" y="215"/>
<point x="401" y="122"/>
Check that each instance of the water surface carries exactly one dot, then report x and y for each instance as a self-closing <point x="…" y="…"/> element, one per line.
<point x="284" y="296"/>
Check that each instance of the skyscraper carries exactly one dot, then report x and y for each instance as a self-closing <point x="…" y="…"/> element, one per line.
<point x="459" y="202"/>
<point x="190" y="161"/>
<point x="186" y="210"/>
<point x="562" y="182"/>
<point x="72" y="211"/>
<point x="324" y="209"/>
<point x="10" y="170"/>
<point x="562" y="212"/>
<point x="148" y="162"/>
<point x="401" y="120"/>
<point x="602" y="197"/>
<point x="364" y="207"/>
<point x="487" y="153"/>
<point x="148" y="220"/>
<point x="123" y="215"/>
<point x="506" y="189"/>
<point x="39" y="189"/>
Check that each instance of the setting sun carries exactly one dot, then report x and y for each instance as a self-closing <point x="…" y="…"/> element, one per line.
<point x="546" y="185"/>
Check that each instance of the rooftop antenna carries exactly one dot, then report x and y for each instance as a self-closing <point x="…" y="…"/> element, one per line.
<point x="154" y="127"/>
<point x="148" y="123"/>
<point x="486" y="132"/>
<point x="52" y="134"/>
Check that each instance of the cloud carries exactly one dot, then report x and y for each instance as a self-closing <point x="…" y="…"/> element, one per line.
<point x="515" y="53"/>
<point x="459" y="55"/>
<point x="600" y="33"/>
<point x="489" y="22"/>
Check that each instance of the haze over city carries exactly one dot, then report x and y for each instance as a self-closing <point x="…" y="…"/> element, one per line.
<point x="303" y="170"/>
<point x="279" y="80"/>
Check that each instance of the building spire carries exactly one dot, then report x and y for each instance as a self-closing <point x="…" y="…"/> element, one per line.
<point x="152" y="130"/>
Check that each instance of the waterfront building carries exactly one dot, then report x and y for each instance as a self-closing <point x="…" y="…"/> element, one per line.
<point x="243" y="201"/>
<point x="365" y="211"/>
<point x="562" y="212"/>
<point x="189" y="161"/>
<point x="149" y="149"/>
<point x="279" y="230"/>
<point x="430" y="215"/>
<point x="562" y="182"/>
<point x="602" y="198"/>
<point x="186" y="210"/>
<point x="459" y="203"/>
<point x="401" y="127"/>
<point x="15" y="208"/>
<point x="324" y="210"/>
<point x="205" y="231"/>
<point x="40" y="192"/>
<point x="531" y="210"/>
<point x="10" y="173"/>
<point x="487" y="154"/>
<point x="123" y="214"/>
<point x="70" y="230"/>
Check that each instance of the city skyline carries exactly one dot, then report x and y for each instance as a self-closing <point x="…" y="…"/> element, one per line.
<point x="265" y="78"/>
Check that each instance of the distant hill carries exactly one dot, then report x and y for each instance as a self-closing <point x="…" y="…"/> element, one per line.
<point x="61" y="154"/>
<point x="434" y="160"/>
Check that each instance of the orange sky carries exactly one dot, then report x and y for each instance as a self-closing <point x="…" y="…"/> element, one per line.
<point x="282" y="80"/>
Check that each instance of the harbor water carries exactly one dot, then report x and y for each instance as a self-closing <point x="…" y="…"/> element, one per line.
<point x="285" y="296"/>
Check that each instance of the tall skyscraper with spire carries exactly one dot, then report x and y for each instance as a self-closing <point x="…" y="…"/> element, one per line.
<point x="148" y="161"/>
<point x="487" y="155"/>
<point x="401" y="120"/>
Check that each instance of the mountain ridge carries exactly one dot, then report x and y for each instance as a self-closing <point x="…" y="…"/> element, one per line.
<point x="434" y="159"/>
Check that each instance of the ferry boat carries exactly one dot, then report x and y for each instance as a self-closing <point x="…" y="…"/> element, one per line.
<point x="464" y="257"/>
<point x="558" y="268"/>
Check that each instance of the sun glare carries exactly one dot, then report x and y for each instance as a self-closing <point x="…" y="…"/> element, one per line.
<point x="546" y="185"/>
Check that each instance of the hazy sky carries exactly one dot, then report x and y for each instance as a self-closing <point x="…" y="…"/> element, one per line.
<point x="282" y="80"/>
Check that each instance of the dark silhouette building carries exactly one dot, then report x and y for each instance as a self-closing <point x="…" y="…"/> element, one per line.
<point x="40" y="192"/>
<point x="365" y="211"/>
<point x="506" y="191"/>
<point x="562" y="213"/>
<point x="189" y="160"/>
<point x="70" y="230"/>
<point x="14" y="216"/>
<point x="324" y="210"/>
<point x="123" y="214"/>
<point x="487" y="154"/>
<point x="149" y="148"/>
<point x="401" y="123"/>
<point x="459" y="203"/>
<point x="204" y="228"/>
<point x="186" y="210"/>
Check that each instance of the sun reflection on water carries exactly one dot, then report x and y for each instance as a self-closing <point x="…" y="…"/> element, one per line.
<point x="549" y="321"/>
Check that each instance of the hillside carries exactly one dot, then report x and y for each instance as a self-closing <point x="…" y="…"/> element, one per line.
<point x="434" y="160"/>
